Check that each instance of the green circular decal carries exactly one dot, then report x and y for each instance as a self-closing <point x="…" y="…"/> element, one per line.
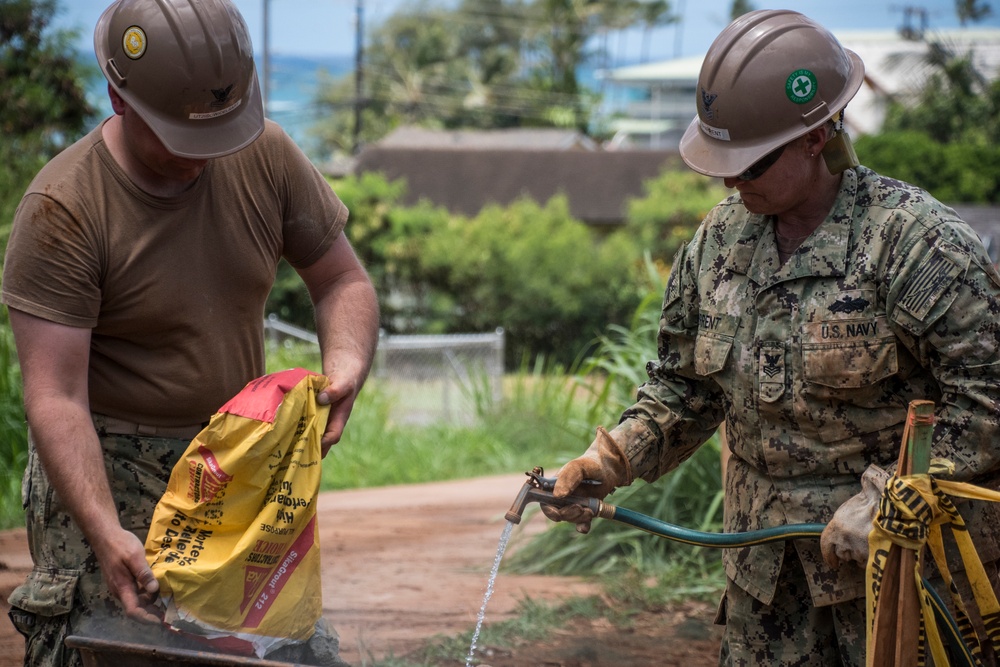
<point x="801" y="86"/>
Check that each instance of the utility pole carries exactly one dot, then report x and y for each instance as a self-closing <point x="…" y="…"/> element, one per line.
<point x="266" y="87"/>
<point x="358" y="81"/>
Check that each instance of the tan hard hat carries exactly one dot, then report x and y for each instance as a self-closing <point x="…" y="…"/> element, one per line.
<point x="186" y="67"/>
<point x="769" y="77"/>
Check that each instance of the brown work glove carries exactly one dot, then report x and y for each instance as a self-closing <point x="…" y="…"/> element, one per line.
<point x="845" y="538"/>
<point x="604" y="462"/>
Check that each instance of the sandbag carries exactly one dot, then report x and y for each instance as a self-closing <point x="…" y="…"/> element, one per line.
<point x="233" y="542"/>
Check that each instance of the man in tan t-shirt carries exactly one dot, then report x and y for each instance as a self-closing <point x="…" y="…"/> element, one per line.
<point x="136" y="276"/>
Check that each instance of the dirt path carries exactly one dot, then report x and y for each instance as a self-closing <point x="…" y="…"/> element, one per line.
<point x="403" y="564"/>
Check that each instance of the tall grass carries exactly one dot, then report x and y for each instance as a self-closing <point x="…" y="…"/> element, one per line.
<point x="690" y="496"/>
<point x="13" y="430"/>
<point x="617" y="366"/>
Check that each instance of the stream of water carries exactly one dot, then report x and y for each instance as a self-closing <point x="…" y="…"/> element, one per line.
<point x="501" y="547"/>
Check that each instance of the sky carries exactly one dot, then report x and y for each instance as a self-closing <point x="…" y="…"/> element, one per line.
<point x="327" y="27"/>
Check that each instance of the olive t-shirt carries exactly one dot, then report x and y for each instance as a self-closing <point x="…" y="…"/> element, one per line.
<point x="173" y="288"/>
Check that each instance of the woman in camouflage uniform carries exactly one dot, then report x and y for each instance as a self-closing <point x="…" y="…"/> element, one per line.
<point x="806" y="313"/>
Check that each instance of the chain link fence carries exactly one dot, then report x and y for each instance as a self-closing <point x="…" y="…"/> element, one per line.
<point x="429" y="378"/>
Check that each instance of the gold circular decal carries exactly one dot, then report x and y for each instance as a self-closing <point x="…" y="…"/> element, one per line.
<point x="134" y="42"/>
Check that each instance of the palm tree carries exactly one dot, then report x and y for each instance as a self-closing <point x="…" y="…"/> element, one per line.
<point x="972" y="10"/>
<point x="653" y="13"/>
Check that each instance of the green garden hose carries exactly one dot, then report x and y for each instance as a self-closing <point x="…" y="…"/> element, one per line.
<point x="715" y="540"/>
<point x="959" y="652"/>
<point x="539" y="488"/>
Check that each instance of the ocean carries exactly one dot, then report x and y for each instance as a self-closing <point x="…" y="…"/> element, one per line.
<point x="293" y="83"/>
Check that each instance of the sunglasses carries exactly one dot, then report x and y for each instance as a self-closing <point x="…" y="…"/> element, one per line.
<point x="757" y="169"/>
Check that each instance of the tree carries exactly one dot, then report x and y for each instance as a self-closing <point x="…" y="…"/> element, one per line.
<point x="41" y="99"/>
<point x="653" y="13"/>
<point x="561" y="32"/>
<point x="537" y="272"/>
<point x="943" y="137"/>
<point x="42" y="102"/>
<point x="483" y="64"/>
<point x="42" y="108"/>
<point x="957" y="102"/>
<point x="739" y="8"/>
<point x="972" y="10"/>
<point x="959" y="172"/>
<point x="441" y="68"/>
<point x="490" y="39"/>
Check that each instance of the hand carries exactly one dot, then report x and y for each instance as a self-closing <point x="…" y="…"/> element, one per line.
<point x="603" y="462"/>
<point x="128" y="576"/>
<point x="340" y="395"/>
<point x="845" y="538"/>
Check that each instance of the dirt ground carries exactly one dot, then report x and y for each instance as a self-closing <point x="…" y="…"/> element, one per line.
<point x="405" y="563"/>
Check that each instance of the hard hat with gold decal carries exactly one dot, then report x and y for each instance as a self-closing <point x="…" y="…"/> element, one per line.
<point x="771" y="76"/>
<point x="186" y="67"/>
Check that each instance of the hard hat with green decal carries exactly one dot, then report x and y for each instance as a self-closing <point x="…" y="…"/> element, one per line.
<point x="769" y="77"/>
<point x="186" y="67"/>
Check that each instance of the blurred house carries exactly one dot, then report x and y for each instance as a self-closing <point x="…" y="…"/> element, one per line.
<point x="468" y="170"/>
<point x="653" y="103"/>
<point x="464" y="171"/>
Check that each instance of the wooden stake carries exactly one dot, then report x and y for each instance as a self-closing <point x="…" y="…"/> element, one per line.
<point x="896" y="626"/>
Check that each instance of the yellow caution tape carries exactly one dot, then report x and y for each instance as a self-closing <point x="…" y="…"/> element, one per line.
<point x="911" y="513"/>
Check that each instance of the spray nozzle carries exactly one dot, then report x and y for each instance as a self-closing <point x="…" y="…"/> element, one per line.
<point x="538" y="488"/>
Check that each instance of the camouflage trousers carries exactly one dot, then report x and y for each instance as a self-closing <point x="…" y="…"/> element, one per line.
<point x="791" y="632"/>
<point x="64" y="594"/>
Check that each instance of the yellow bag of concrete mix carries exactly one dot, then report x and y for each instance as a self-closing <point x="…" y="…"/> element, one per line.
<point x="233" y="541"/>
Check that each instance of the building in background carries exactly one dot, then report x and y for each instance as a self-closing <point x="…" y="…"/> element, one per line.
<point x="464" y="171"/>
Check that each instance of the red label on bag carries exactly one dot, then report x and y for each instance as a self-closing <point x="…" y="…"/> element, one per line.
<point x="206" y="478"/>
<point x="260" y="399"/>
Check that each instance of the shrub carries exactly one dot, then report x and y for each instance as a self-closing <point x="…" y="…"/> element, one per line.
<point x="537" y="272"/>
<point x="957" y="172"/>
<point x="674" y="205"/>
<point x="690" y="496"/>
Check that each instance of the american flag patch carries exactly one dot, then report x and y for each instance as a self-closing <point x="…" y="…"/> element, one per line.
<point x="934" y="275"/>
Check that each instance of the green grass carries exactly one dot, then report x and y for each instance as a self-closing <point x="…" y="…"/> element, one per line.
<point x="537" y="423"/>
<point x="13" y="430"/>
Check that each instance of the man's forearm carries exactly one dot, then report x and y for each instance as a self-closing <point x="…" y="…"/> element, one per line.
<point x="347" y="320"/>
<point x="67" y="444"/>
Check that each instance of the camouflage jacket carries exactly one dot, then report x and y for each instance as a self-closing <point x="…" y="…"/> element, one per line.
<point x="812" y="365"/>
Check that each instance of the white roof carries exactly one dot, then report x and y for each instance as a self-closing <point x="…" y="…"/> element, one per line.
<point x="681" y="71"/>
